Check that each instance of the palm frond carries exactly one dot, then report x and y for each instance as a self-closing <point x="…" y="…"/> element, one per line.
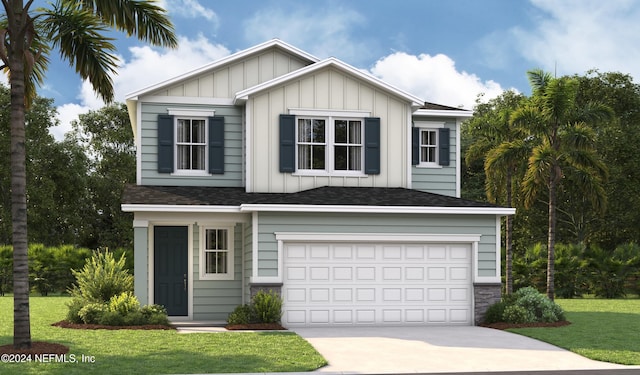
<point x="538" y="79"/>
<point x="80" y="38"/>
<point x="542" y="160"/>
<point x="142" y="18"/>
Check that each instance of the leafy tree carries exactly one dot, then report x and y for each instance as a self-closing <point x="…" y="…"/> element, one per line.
<point x="78" y="30"/>
<point x="564" y="144"/>
<point x="106" y="136"/>
<point x="503" y="148"/>
<point x="56" y="178"/>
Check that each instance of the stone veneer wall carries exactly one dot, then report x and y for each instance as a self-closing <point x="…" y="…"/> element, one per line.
<point x="255" y="288"/>
<point x="485" y="295"/>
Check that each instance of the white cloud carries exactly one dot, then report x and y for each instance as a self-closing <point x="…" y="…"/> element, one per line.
<point x="189" y="9"/>
<point x="434" y="78"/>
<point x="147" y="66"/>
<point x="322" y="32"/>
<point x="575" y="36"/>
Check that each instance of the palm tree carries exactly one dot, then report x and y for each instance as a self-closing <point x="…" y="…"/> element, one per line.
<point x="500" y="144"/>
<point x="77" y="29"/>
<point x="563" y="144"/>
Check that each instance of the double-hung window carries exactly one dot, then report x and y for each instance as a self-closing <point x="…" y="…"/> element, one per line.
<point x="191" y="145"/>
<point x="191" y="142"/>
<point x="428" y="147"/>
<point x="329" y="145"/>
<point x="216" y="256"/>
<point x="431" y="144"/>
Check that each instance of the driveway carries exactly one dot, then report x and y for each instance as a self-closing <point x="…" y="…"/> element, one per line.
<point x="378" y="350"/>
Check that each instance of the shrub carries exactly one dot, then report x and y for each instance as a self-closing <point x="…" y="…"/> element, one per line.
<point x="101" y="278"/>
<point x="265" y="307"/>
<point x="92" y="312"/>
<point x="135" y="318"/>
<point x="243" y="314"/>
<point x="268" y="306"/>
<point x="124" y="303"/>
<point x="526" y="305"/>
<point x="111" y="318"/>
<point x="74" y="306"/>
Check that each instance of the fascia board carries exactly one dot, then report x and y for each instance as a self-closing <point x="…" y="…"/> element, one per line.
<point x="320" y="209"/>
<point x="243" y="95"/>
<point x="178" y="208"/>
<point x="226" y="60"/>
<point x="443" y="113"/>
<point x="376" y="209"/>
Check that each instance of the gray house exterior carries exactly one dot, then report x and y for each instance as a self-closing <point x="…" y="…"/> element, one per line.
<point x="272" y="169"/>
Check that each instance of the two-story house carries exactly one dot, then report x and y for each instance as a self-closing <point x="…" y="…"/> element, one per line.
<point x="272" y="169"/>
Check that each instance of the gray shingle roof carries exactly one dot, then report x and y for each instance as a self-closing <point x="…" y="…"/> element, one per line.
<point x="340" y="196"/>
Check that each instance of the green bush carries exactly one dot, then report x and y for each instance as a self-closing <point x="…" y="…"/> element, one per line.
<point x="92" y="313"/>
<point x="124" y="303"/>
<point x="74" y="306"/>
<point x="243" y="314"/>
<point x="101" y="278"/>
<point x="155" y="314"/>
<point x="526" y="305"/>
<point x="111" y="318"/>
<point x="265" y="307"/>
<point x="268" y="306"/>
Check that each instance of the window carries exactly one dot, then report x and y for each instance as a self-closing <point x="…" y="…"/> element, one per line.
<point x="348" y="145"/>
<point x="216" y="260"/>
<point x="329" y="145"/>
<point x="191" y="144"/>
<point x="428" y="146"/>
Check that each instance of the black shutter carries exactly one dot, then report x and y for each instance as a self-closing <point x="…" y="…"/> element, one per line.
<point x="372" y="145"/>
<point x="415" y="146"/>
<point x="443" y="146"/>
<point x="287" y="143"/>
<point x="216" y="145"/>
<point x="165" y="144"/>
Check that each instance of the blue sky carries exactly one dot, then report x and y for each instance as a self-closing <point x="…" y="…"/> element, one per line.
<point x="442" y="51"/>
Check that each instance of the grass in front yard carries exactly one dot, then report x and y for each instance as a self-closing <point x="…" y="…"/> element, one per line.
<point x="154" y="352"/>
<point x="604" y="330"/>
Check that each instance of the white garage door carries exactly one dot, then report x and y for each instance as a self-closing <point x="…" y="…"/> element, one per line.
<point x="383" y="284"/>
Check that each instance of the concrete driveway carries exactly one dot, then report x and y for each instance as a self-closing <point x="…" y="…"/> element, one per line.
<point x="378" y="350"/>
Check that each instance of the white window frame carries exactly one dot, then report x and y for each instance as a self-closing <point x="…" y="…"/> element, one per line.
<point x="191" y="172"/>
<point x="230" y="274"/>
<point x="429" y="126"/>
<point x="330" y="117"/>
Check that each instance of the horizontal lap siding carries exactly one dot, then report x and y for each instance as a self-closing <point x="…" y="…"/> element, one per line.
<point x="233" y="150"/>
<point x="269" y="223"/>
<point x="216" y="299"/>
<point x="439" y="180"/>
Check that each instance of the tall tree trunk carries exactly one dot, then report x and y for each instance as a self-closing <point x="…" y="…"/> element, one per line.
<point x="16" y="53"/>
<point x="508" y="239"/>
<point x="551" y="252"/>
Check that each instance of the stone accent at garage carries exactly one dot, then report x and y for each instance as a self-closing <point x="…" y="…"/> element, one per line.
<point x="485" y="295"/>
<point x="255" y="288"/>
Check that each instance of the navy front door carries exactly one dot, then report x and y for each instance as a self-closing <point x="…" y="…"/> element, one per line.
<point x="170" y="269"/>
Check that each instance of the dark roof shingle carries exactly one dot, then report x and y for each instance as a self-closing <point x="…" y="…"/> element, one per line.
<point x="339" y="196"/>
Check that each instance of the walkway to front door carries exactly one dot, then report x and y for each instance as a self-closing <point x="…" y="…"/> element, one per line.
<point x="170" y="269"/>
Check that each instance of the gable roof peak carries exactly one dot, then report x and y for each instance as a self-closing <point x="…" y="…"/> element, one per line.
<point x="273" y="43"/>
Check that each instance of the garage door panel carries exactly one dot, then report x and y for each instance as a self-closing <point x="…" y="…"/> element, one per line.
<point x="392" y="284"/>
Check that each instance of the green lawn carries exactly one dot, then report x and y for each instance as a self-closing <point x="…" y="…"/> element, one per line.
<point x="604" y="330"/>
<point x="154" y="352"/>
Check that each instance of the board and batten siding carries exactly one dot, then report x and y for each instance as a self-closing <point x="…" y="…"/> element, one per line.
<point x="225" y="81"/>
<point x="233" y="148"/>
<point x="271" y="222"/>
<point x="325" y="90"/>
<point x="216" y="299"/>
<point x="442" y="179"/>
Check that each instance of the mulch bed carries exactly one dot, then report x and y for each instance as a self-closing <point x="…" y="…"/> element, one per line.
<point x="66" y="324"/>
<point x="503" y="326"/>
<point x="256" y="327"/>
<point x="37" y="347"/>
